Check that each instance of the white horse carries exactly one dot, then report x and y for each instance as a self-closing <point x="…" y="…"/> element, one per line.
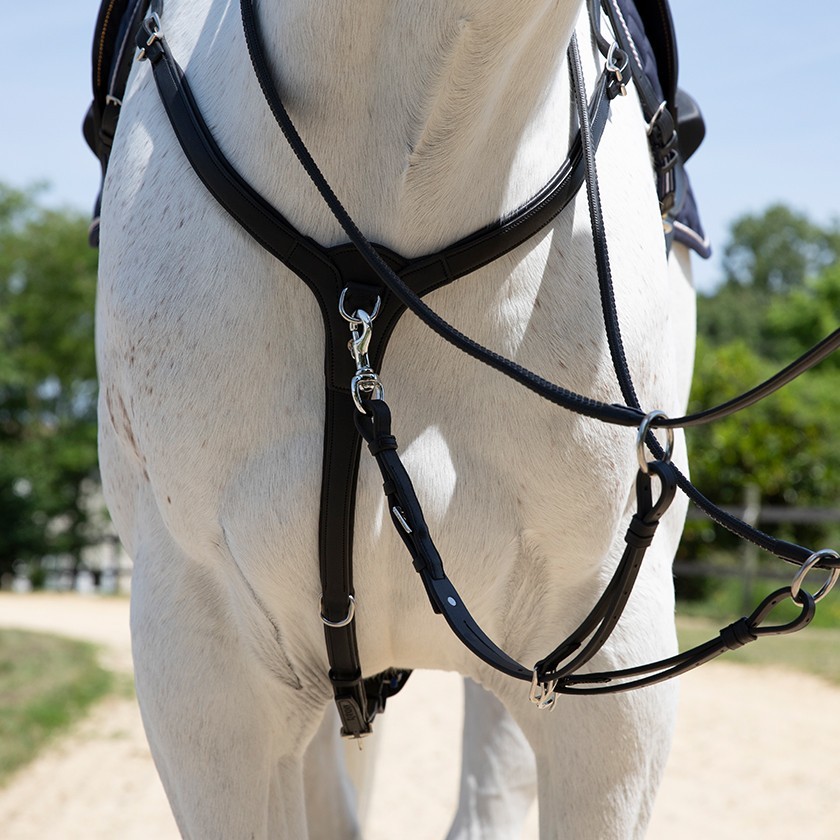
<point x="430" y="119"/>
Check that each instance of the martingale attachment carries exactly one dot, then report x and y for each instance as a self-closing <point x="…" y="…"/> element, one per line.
<point x="366" y="383"/>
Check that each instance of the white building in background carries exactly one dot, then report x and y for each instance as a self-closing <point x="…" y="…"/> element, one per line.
<point x="105" y="567"/>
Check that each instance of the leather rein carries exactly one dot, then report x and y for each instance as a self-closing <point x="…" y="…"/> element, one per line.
<point x="392" y="284"/>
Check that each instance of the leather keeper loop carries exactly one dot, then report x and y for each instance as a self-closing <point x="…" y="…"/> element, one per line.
<point x="640" y="533"/>
<point x="382" y="444"/>
<point x="345" y="682"/>
<point x="737" y="634"/>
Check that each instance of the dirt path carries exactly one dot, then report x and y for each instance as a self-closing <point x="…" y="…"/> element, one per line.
<point x="756" y="755"/>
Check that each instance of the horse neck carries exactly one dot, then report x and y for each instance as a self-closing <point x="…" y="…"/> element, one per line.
<point x="431" y="118"/>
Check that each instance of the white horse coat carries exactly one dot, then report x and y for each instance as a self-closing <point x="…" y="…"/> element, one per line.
<point x="430" y="119"/>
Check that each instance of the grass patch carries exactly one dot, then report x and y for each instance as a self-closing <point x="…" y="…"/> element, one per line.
<point x="46" y="683"/>
<point x="726" y="602"/>
<point x="812" y="650"/>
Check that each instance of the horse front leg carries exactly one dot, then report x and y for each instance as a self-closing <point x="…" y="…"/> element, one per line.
<point x="498" y="771"/>
<point x="337" y="781"/>
<point x="227" y="733"/>
<point x="600" y="761"/>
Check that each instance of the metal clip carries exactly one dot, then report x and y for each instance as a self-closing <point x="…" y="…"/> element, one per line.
<point x="353" y="319"/>
<point x="365" y="383"/>
<point x="153" y="26"/>
<point x="615" y="68"/>
<point x="360" y="343"/>
<point x="542" y="694"/>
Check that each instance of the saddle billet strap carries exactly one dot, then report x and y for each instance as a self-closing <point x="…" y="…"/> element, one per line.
<point x="407" y="515"/>
<point x="659" y="110"/>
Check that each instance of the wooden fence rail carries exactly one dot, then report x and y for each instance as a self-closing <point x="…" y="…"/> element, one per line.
<point x="749" y="568"/>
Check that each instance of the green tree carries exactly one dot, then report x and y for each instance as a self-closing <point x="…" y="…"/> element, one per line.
<point x="48" y="467"/>
<point x="786" y="445"/>
<point x="767" y="255"/>
<point x="810" y="312"/>
<point x="778" y="249"/>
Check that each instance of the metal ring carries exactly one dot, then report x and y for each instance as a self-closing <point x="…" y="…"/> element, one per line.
<point x="542" y="695"/>
<point x="799" y="577"/>
<point x="644" y="428"/>
<point x="610" y="63"/>
<point x="351" y="611"/>
<point x="352" y="319"/>
<point x="662" y="105"/>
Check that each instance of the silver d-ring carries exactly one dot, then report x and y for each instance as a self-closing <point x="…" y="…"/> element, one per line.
<point x="799" y="577"/>
<point x="351" y="611"/>
<point x="351" y="319"/>
<point x="644" y="428"/>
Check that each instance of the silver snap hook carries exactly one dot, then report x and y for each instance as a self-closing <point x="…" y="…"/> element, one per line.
<point x="353" y="319"/>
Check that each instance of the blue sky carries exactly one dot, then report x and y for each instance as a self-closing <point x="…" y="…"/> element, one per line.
<point x="767" y="83"/>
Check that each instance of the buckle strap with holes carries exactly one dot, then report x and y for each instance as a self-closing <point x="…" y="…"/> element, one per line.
<point x="559" y="672"/>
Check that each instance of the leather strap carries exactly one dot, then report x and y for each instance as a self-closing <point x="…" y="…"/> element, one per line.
<point x="560" y="673"/>
<point x="113" y="56"/>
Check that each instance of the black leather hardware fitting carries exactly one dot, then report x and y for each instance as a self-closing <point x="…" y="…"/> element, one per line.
<point x="737" y="634"/>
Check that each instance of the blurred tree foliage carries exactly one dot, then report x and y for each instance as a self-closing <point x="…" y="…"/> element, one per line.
<point x="781" y="295"/>
<point x="767" y="256"/>
<point x="48" y="471"/>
